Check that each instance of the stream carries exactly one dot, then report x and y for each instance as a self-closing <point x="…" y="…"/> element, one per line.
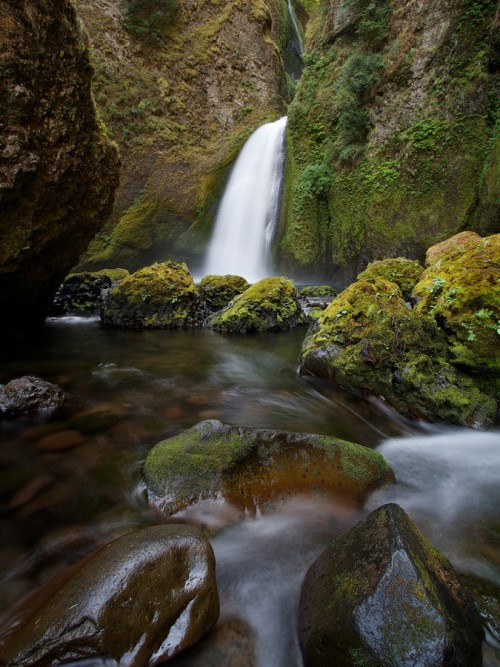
<point x="61" y="499"/>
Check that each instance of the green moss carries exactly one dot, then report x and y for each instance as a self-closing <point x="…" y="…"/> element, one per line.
<point x="157" y="296"/>
<point x="219" y="290"/>
<point x="404" y="272"/>
<point x="270" y="304"/>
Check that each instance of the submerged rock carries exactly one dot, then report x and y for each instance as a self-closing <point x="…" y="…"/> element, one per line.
<point x="252" y="468"/>
<point x="271" y="304"/>
<point x="140" y="600"/>
<point x="29" y="394"/>
<point x="160" y="296"/>
<point x="219" y="290"/>
<point x="58" y="169"/>
<point x="381" y="595"/>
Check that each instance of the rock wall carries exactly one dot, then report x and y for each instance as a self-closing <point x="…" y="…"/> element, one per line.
<point x="58" y="171"/>
<point x="393" y="135"/>
<point x="180" y="93"/>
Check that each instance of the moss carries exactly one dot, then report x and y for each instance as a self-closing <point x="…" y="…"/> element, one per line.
<point x="157" y="296"/>
<point x="318" y="290"/>
<point x="269" y="305"/>
<point x="252" y="467"/>
<point x="460" y="290"/>
<point x="219" y="290"/>
<point x="404" y="272"/>
<point x="411" y="159"/>
<point x="368" y="340"/>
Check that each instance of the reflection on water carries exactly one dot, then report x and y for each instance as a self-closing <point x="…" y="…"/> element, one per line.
<point x="62" y="497"/>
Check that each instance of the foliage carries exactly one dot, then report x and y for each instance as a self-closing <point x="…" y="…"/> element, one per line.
<point x="150" y="19"/>
<point x="358" y="74"/>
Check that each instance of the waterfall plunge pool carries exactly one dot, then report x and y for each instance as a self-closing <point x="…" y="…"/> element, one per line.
<point x="59" y="505"/>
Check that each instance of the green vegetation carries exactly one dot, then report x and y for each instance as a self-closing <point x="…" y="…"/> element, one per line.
<point x="151" y="19"/>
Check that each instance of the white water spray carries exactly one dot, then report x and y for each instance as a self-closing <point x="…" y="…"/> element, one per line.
<point x="296" y="28"/>
<point x="249" y="209"/>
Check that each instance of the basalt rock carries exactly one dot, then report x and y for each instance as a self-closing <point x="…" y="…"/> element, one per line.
<point x="28" y="395"/>
<point x="138" y="601"/>
<point x="254" y="468"/>
<point x="161" y="296"/>
<point x="219" y="290"/>
<point x="271" y="304"/>
<point x="381" y="595"/>
<point x="58" y="171"/>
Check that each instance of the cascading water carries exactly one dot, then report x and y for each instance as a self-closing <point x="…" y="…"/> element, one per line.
<point x="249" y="209"/>
<point x="296" y="29"/>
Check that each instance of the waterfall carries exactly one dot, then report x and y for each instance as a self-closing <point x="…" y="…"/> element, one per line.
<point x="248" y="213"/>
<point x="296" y="28"/>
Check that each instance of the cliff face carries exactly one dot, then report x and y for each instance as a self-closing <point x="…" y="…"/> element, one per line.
<point x="393" y="135"/>
<point x="181" y="89"/>
<point x="57" y="169"/>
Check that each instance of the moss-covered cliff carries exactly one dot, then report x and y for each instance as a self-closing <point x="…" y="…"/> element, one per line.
<point x="393" y="135"/>
<point x="58" y="171"/>
<point x="181" y="85"/>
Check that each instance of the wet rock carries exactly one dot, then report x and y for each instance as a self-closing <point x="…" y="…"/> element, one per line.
<point x="318" y="291"/>
<point x="254" y="468"/>
<point x="140" y="600"/>
<point x="160" y="296"/>
<point x="29" y="394"/>
<point x="457" y="243"/>
<point x="382" y="595"/>
<point x="80" y="292"/>
<point x="369" y="341"/>
<point x="217" y="291"/>
<point x="97" y="417"/>
<point x="61" y="441"/>
<point x="271" y="304"/>
<point x="58" y="170"/>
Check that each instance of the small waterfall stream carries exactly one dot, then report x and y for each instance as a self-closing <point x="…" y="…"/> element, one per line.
<point x="249" y="209"/>
<point x="296" y="28"/>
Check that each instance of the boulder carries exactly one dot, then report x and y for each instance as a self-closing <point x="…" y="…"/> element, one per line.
<point x="381" y="595"/>
<point x="271" y="304"/>
<point x="253" y="468"/>
<point x="80" y="292"/>
<point x="370" y="341"/>
<point x="58" y="169"/>
<point x="29" y="394"/>
<point x="461" y="291"/>
<point x="160" y="296"/>
<point x="140" y="600"/>
<point x="219" y="290"/>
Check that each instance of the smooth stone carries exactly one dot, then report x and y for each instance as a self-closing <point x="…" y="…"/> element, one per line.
<point x="255" y="468"/>
<point x="381" y="595"/>
<point x="61" y="441"/>
<point x="139" y="600"/>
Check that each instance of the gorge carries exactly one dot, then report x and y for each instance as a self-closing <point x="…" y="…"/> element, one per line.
<point x="246" y="468"/>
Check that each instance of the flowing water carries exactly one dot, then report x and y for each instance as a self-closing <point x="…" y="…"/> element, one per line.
<point x="60" y="504"/>
<point x="249" y="208"/>
<point x="296" y="29"/>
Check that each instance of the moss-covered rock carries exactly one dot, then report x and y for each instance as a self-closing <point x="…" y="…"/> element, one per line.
<point x="380" y="594"/>
<point x="219" y="290"/>
<point x="80" y="292"/>
<point x="369" y="341"/>
<point x="58" y="169"/>
<point x="392" y="143"/>
<point x="269" y="305"/>
<point x="161" y="296"/>
<point x="251" y="468"/>
<point x="461" y="291"/>
<point x="140" y="600"/>
<point x="317" y="291"/>
<point x="404" y="272"/>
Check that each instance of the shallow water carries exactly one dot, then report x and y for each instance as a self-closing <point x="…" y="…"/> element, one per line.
<point x="57" y="505"/>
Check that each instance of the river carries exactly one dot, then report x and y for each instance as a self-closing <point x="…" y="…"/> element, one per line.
<point x="59" y="504"/>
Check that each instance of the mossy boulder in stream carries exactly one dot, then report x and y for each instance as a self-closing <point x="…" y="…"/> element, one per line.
<point x="139" y="600"/>
<point x="161" y="296"/>
<point x="271" y="304"/>
<point x="438" y="360"/>
<point x="461" y="291"/>
<point x="381" y="595"/>
<point x="252" y="468"/>
<point x="219" y="290"/>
